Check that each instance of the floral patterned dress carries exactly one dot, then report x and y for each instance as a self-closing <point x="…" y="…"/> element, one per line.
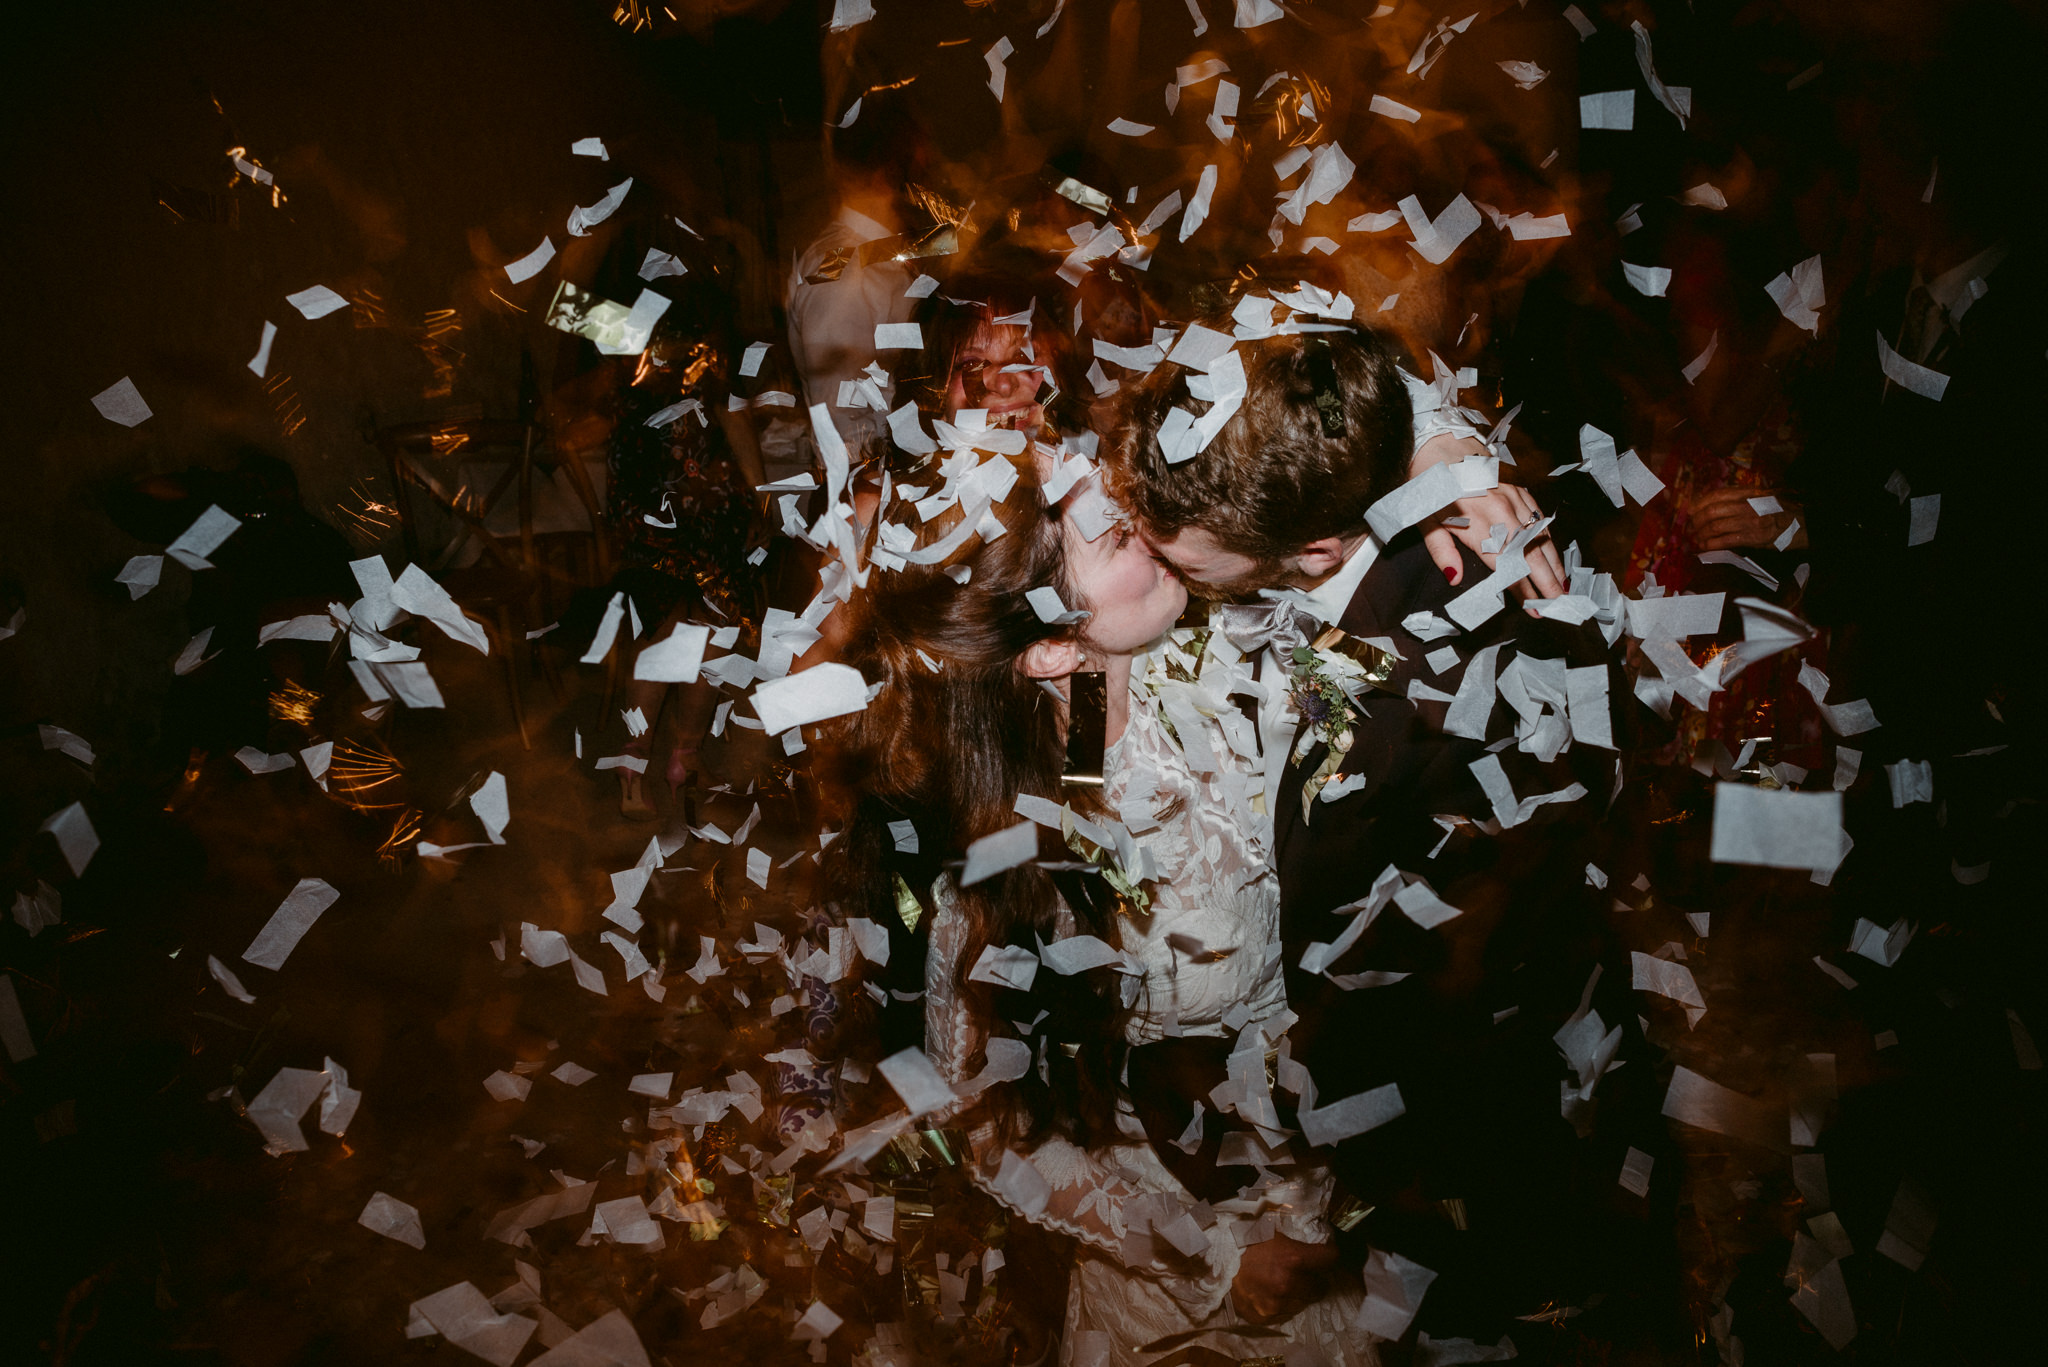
<point x="1766" y="698"/>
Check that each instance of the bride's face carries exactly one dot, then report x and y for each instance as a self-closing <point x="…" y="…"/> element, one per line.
<point x="1133" y="596"/>
<point x="981" y="379"/>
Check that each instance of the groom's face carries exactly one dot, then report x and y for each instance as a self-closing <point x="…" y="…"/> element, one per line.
<point x="1211" y="571"/>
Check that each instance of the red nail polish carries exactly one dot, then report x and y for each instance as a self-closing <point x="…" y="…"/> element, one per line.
<point x="1451" y="573"/>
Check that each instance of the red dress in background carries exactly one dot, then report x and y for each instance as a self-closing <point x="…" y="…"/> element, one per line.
<point x="1765" y="700"/>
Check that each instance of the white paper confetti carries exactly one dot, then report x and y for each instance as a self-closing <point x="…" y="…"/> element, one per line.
<point x="1006" y="849"/>
<point x="1800" y="293"/>
<point x="316" y="301"/>
<point x="1650" y="280"/>
<point x="1393" y="109"/>
<point x="289" y="923"/>
<point x="203" y="538"/>
<point x="1635" y="1171"/>
<point x="259" y="364"/>
<point x="394" y="1219"/>
<point x="1776" y="828"/>
<point x="121" y="402"/>
<point x="76" y="839"/>
<point x="811" y="695"/>
<point x="847" y="14"/>
<point x="915" y="1079"/>
<point x="582" y="220"/>
<point x="678" y="659"/>
<point x="1611" y="109"/>
<point x="463" y="1316"/>
<point x="998" y="72"/>
<point x="1435" y="239"/>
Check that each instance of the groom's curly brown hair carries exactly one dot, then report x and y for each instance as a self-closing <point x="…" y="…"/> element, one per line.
<point x="1326" y="429"/>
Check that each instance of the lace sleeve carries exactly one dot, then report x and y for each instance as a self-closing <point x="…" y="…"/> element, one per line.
<point x="1436" y="414"/>
<point x="1119" y="1200"/>
<point x="950" y="1038"/>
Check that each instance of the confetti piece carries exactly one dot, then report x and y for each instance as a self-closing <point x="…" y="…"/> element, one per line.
<point x="316" y="301"/>
<point x="289" y="923"/>
<point x="394" y="1219"/>
<point x="121" y="402"/>
<point x="1608" y="109"/>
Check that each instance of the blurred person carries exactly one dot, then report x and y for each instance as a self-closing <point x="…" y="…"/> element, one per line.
<point x="1904" y="483"/>
<point x="995" y="345"/>
<point x="1726" y="460"/>
<point x="680" y="502"/>
<point x="973" y="358"/>
<point x="846" y="282"/>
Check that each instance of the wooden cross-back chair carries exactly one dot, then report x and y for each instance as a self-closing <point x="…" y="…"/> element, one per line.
<point x="513" y="582"/>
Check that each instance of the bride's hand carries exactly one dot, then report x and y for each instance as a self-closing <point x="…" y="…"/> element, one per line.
<point x="1508" y="505"/>
<point x="1280" y="1276"/>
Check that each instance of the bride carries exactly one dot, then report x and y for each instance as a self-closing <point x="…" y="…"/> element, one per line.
<point x="977" y="622"/>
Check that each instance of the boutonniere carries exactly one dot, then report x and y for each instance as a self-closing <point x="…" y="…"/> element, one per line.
<point x="1324" y="705"/>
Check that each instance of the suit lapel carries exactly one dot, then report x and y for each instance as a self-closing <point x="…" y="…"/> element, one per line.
<point x="1404" y="580"/>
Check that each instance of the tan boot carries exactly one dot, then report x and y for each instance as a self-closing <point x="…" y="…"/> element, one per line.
<point x="633" y="803"/>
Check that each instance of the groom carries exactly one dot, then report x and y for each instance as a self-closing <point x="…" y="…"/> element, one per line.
<point x="1458" y="1012"/>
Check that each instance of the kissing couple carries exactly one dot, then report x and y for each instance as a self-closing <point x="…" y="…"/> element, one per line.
<point x="1282" y="992"/>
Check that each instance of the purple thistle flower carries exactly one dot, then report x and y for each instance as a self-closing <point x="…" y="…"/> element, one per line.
<point x="1315" y="709"/>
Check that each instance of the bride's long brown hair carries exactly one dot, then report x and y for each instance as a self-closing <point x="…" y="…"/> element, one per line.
<point x="950" y="750"/>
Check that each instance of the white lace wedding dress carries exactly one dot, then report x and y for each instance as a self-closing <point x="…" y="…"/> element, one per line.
<point x="1154" y="1264"/>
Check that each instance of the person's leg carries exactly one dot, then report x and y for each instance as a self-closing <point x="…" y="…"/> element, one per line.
<point x="695" y="703"/>
<point x="633" y="801"/>
<point x="646" y="695"/>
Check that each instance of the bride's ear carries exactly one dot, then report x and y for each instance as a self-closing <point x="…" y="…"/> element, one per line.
<point x="1053" y="658"/>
